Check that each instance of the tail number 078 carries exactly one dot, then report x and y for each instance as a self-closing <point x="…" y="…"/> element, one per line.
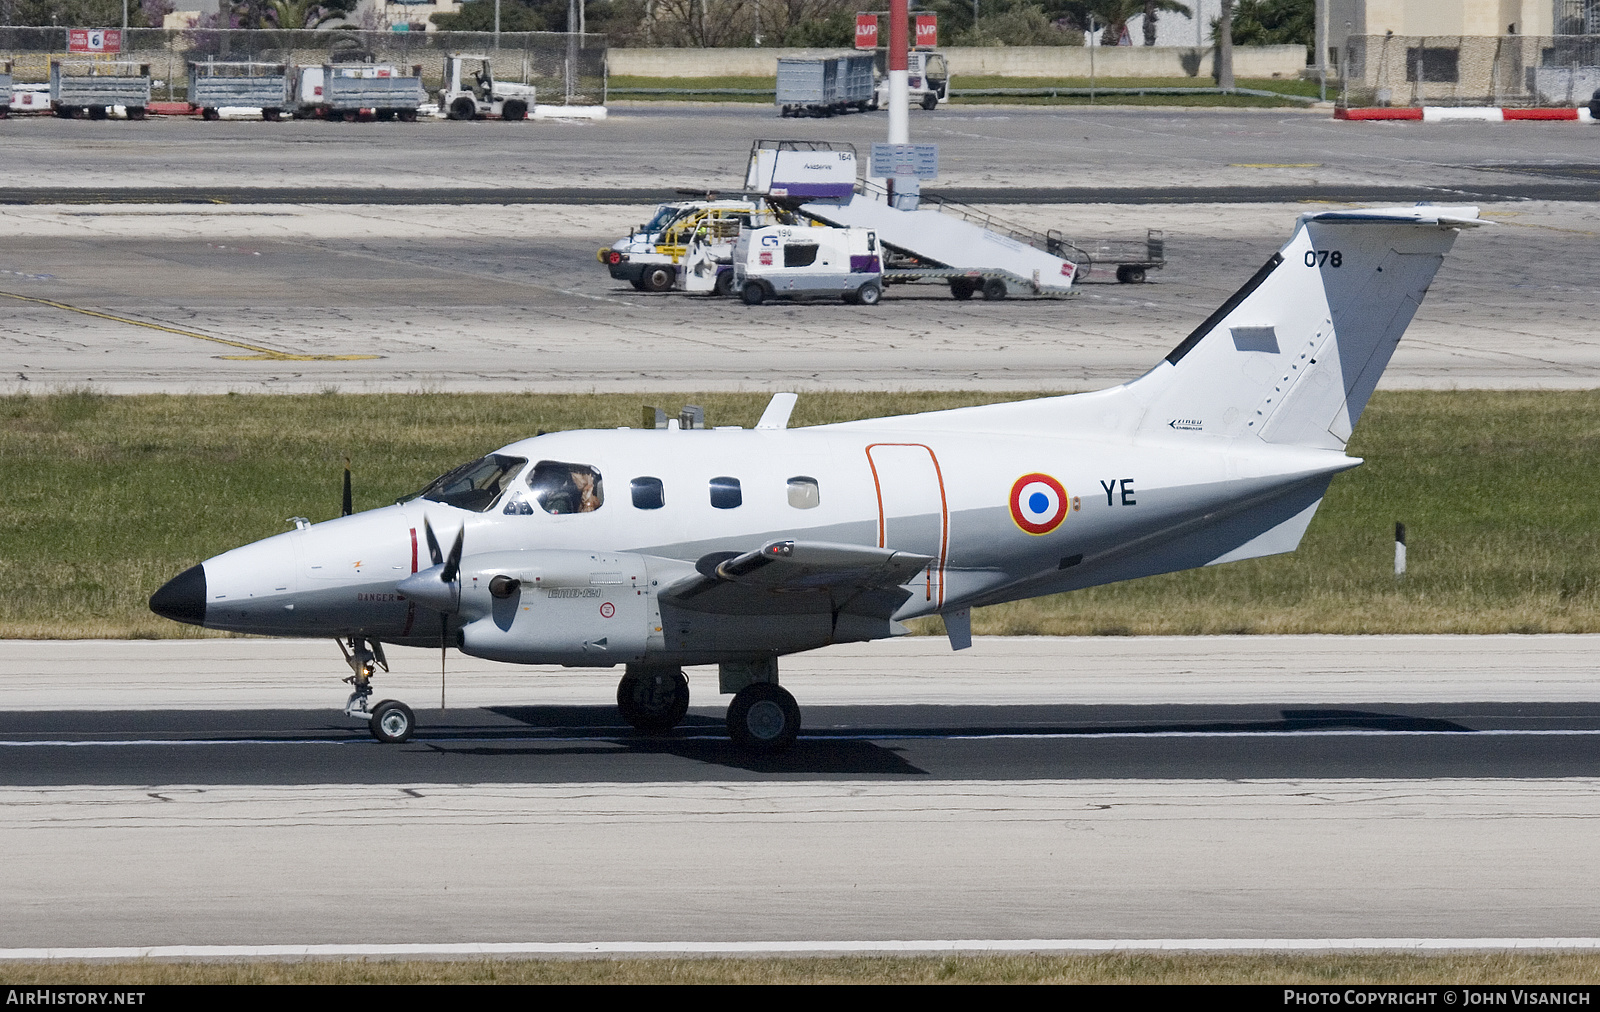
<point x="1332" y="258"/>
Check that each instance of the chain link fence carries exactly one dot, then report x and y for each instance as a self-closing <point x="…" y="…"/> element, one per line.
<point x="568" y="69"/>
<point x="1455" y="70"/>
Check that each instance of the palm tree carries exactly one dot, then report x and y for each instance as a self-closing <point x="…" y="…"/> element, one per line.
<point x="1115" y="15"/>
<point x="301" y="13"/>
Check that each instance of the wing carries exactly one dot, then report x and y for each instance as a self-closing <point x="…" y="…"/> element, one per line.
<point x="788" y="577"/>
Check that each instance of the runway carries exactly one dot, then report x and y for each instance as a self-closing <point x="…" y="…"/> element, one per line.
<point x="183" y="793"/>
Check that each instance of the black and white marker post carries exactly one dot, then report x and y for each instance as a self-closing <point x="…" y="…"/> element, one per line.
<point x="1399" y="549"/>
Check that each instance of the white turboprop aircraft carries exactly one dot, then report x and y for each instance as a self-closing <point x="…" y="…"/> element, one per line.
<point x="661" y="548"/>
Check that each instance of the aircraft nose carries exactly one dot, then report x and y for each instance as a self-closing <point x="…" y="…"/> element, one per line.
<point x="183" y="598"/>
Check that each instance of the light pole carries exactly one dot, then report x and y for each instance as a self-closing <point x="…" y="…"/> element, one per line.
<point x="1321" y="36"/>
<point x="899" y="83"/>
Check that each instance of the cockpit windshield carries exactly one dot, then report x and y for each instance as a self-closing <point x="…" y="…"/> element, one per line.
<point x="476" y="485"/>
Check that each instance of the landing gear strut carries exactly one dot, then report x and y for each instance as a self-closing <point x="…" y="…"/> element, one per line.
<point x="391" y="721"/>
<point x="653" y="698"/>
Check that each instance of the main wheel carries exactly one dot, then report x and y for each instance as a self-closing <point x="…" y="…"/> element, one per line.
<point x="868" y="294"/>
<point x="754" y="293"/>
<point x="653" y="699"/>
<point x="136" y="112"/>
<point x="929" y="101"/>
<point x="994" y="288"/>
<point x="97" y="112"/>
<point x="515" y="109"/>
<point x="658" y="279"/>
<point x="272" y="115"/>
<point x="463" y="108"/>
<point x="724" y="285"/>
<point x="392" y="722"/>
<point x="639" y="284"/>
<point x="961" y="288"/>
<point x="763" y="718"/>
<point x="1130" y="274"/>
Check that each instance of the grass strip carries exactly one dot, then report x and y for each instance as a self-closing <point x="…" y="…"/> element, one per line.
<point x="761" y="89"/>
<point x="107" y="497"/>
<point x="1449" y="968"/>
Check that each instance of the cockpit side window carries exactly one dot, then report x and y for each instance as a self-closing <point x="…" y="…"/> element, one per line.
<point x="559" y="487"/>
<point x="476" y="485"/>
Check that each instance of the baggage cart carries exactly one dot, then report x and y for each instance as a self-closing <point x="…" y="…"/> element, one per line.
<point x="214" y="86"/>
<point x="94" y="88"/>
<point x="346" y="91"/>
<point x="824" y="85"/>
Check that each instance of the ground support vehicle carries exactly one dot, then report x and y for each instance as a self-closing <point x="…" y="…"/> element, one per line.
<point x="216" y="86"/>
<point x="480" y="96"/>
<point x="927" y="75"/>
<point x="5" y="87"/>
<point x="940" y="240"/>
<point x="825" y="85"/>
<point x="788" y="261"/>
<point x="686" y="245"/>
<point x="992" y="283"/>
<point x="94" y="88"/>
<point x="349" y="91"/>
<point x="1130" y="258"/>
<point x="28" y="98"/>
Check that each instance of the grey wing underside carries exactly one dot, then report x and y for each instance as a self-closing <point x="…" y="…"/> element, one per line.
<point x="800" y="577"/>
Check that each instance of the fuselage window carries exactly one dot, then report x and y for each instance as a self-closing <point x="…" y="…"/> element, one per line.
<point x="804" y="493"/>
<point x="565" y="488"/>
<point x="648" y="494"/>
<point x="474" y="486"/>
<point x="725" y="493"/>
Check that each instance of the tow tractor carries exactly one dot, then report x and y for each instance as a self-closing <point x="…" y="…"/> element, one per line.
<point x="481" y="96"/>
<point x="687" y="245"/>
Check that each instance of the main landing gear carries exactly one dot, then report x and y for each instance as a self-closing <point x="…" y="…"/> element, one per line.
<point x="763" y="717"/>
<point x="391" y="721"/>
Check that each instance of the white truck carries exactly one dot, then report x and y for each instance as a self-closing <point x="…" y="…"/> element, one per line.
<point x="790" y="261"/>
<point x="686" y="245"/>
<point x="480" y="96"/>
<point x="927" y="75"/>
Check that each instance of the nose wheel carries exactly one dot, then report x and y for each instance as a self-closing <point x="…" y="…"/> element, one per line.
<point x="391" y="721"/>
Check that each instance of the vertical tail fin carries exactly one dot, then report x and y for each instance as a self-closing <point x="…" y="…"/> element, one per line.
<point x="1293" y="356"/>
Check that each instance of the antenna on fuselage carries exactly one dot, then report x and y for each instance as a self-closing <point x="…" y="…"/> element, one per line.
<point x="345" y="507"/>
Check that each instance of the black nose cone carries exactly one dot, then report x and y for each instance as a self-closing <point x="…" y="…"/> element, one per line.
<point x="183" y="598"/>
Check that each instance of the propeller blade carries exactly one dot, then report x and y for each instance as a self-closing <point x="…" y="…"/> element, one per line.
<point x="433" y="543"/>
<point x="452" y="565"/>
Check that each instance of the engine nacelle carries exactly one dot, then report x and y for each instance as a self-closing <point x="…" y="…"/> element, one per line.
<point x="554" y="606"/>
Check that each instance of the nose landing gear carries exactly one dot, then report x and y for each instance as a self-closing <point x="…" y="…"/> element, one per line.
<point x="391" y="721"/>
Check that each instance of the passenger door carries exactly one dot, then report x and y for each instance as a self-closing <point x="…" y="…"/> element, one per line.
<point x="913" y="513"/>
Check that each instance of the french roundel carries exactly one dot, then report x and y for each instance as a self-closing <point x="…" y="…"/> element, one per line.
<point x="1038" y="503"/>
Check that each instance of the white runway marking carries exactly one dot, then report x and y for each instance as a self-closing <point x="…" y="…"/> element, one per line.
<point x="822" y="946"/>
<point x="888" y="736"/>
